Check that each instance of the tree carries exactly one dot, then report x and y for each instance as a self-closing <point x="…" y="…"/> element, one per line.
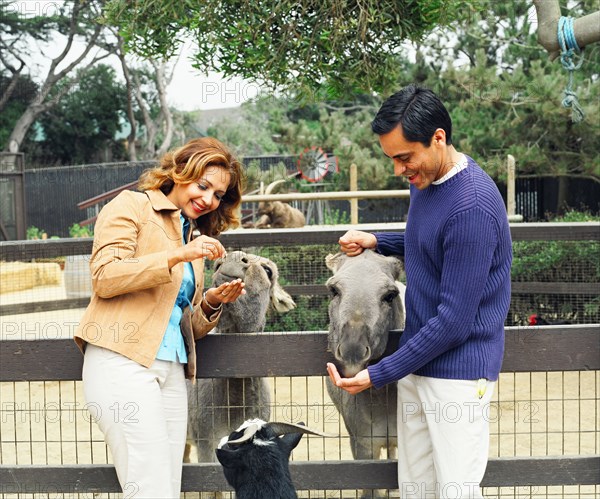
<point x="505" y="98"/>
<point x="320" y="49"/>
<point x="18" y="97"/>
<point x="14" y="30"/>
<point x="502" y="91"/>
<point x="82" y="126"/>
<point x="76" y="20"/>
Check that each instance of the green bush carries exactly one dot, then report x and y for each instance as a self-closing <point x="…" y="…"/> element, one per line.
<point x="560" y="262"/>
<point x="77" y="230"/>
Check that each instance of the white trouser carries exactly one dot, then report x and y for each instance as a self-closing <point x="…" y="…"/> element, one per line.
<point x="143" y="415"/>
<point x="443" y="437"/>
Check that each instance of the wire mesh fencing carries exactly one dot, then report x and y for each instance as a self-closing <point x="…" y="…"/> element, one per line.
<point x="532" y="413"/>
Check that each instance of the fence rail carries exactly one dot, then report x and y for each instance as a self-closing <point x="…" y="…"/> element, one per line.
<point x="550" y="348"/>
<point x="539" y="348"/>
<point x="295" y="354"/>
<point x="543" y="231"/>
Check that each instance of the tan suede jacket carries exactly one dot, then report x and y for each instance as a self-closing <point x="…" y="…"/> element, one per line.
<point x="133" y="289"/>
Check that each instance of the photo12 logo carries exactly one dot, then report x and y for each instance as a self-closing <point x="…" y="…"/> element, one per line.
<point x="228" y="92"/>
<point x="28" y="8"/>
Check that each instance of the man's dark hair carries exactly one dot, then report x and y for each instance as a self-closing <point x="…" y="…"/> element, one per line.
<point x="418" y="110"/>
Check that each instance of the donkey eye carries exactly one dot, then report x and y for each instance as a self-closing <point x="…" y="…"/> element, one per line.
<point x="389" y="297"/>
<point x="333" y="291"/>
<point x="269" y="271"/>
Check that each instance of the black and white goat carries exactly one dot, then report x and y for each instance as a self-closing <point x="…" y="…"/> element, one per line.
<point x="255" y="458"/>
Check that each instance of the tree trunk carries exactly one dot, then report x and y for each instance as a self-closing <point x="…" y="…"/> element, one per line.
<point x="16" y="73"/>
<point x="586" y="28"/>
<point x="17" y="136"/>
<point x="166" y="112"/>
<point x="131" y="145"/>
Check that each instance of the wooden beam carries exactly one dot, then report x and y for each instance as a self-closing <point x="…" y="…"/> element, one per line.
<point x="43" y="306"/>
<point x="241" y="238"/>
<point x="307" y="475"/>
<point x="544" y="348"/>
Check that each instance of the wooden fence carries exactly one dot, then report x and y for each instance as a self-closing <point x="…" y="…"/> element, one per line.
<point x="538" y="349"/>
<point x="550" y="348"/>
<point x="240" y="239"/>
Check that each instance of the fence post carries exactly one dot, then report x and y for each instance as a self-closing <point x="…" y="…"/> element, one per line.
<point x="353" y="201"/>
<point x="511" y="203"/>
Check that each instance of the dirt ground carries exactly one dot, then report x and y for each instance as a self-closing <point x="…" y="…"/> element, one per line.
<point x="532" y="414"/>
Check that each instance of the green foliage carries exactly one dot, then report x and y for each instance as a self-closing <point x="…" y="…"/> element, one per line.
<point x="560" y="262"/>
<point x="310" y="314"/>
<point x="77" y="230"/>
<point x="85" y="120"/>
<point x="301" y="265"/>
<point x="336" y="217"/>
<point x="318" y="50"/>
<point x="502" y="91"/>
<point x="34" y="233"/>
<point x="504" y="94"/>
<point x="344" y="132"/>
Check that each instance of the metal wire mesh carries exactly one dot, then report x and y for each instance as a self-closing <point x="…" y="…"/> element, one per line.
<point x="532" y="414"/>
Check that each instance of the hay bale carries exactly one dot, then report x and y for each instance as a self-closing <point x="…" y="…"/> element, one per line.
<point x="19" y="276"/>
<point x="47" y="274"/>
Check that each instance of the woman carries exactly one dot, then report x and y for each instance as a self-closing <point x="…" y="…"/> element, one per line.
<point x="147" y="308"/>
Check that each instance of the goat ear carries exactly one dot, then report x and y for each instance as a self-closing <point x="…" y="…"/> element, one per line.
<point x="281" y="301"/>
<point x="334" y="262"/>
<point x="287" y="443"/>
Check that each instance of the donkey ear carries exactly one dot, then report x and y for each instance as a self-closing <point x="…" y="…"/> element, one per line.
<point x="334" y="262"/>
<point x="281" y="301"/>
<point x="396" y="267"/>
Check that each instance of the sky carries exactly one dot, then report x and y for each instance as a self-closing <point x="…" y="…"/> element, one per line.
<point x="189" y="89"/>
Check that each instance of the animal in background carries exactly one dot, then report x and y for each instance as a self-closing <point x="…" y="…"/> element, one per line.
<point x="539" y="320"/>
<point x="276" y="214"/>
<point x="215" y="405"/>
<point x="366" y="302"/>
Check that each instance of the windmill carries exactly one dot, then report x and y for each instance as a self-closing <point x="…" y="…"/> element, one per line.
<point x="314" y="165"/>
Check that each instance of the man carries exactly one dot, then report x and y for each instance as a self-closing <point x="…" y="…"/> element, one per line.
<point x="457" y="254"/>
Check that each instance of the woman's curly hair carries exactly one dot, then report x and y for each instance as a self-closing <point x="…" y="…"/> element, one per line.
<point x="188" y="164"/>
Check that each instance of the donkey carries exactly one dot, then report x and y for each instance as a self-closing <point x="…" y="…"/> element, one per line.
<point x="217" y="405"/>
<point x="366" y="302"/>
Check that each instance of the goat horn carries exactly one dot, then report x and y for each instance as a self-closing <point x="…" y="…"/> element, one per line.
<point x="284" y="428"/>
<point x="272" y="185"/>
<point x="248" y="434"/>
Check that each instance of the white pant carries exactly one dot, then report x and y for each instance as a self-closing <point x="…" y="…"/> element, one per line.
<point x="443" y="437"/>
<point x="143" y="415"/>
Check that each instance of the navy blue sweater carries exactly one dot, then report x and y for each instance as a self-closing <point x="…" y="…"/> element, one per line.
<point x="457" y="255"/>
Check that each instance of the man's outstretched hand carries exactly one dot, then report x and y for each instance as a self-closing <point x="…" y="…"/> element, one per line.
<point x="354" y="385"/>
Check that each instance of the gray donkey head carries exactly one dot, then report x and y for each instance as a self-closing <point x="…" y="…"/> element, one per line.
<point x="260" y="275"/>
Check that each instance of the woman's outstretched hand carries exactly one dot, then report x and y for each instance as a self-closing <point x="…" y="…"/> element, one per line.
<point x="225" y="293"/>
